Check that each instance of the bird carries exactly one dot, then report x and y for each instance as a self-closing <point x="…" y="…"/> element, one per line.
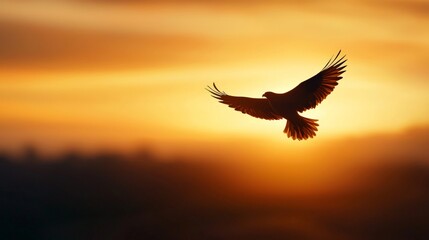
<point x="276" y="106"/>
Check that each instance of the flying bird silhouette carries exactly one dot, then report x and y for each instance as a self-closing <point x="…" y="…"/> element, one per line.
<point x="275" y="106"/>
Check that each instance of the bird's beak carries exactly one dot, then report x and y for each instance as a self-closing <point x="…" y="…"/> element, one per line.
<point x="263" y="95"/>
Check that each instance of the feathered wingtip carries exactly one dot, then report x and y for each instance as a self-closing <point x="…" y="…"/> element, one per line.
<point x="336" y="63"/>
<point x="215" y="92"/>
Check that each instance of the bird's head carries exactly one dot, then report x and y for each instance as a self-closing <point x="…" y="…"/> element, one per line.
<point x="267" y="94"/>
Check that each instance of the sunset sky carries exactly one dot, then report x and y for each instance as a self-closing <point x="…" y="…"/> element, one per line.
<point x="99" y="73"/>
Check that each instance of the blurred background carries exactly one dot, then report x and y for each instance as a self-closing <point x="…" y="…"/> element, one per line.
<point x="106" y="131"/>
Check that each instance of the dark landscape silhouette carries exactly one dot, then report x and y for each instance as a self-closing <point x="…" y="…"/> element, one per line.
<point x="139" y="196"/>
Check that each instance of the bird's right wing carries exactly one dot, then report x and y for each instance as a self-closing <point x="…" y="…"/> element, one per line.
<point x="256" y="107"/>
<point x="311" y="92"/>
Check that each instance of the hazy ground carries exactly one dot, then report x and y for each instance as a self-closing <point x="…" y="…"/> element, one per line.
<point x="138" y="196"/>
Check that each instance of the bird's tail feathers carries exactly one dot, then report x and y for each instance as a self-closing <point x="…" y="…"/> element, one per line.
<point x="301" y="128"/>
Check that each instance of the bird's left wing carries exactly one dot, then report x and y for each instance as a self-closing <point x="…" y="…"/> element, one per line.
<point x="314" y="90"/>
<point x="256" y="107"/>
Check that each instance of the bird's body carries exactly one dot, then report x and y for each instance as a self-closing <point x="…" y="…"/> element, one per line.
<point x="275" y="106"/>
<point x="281" y="104"/>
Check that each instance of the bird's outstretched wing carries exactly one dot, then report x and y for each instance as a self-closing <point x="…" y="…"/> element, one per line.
<point x="314" y="90"/>
<point x="256" y="107"/>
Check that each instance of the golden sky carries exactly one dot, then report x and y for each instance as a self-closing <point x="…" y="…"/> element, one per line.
<point x="94" y="73"/>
